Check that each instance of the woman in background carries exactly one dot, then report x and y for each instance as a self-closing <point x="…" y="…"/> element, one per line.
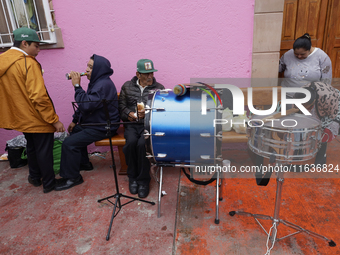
<point x="305" y="64"/>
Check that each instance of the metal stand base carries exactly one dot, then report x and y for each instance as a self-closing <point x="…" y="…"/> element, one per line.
<point x="117" y="204"/>
<point x="118" y="195"/>
<point x="276" y="220"/>
<point x="218" y="190"/>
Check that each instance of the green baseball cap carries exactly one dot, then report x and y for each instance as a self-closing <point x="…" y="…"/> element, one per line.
<point x="145" y="66"/>
<point x="26" y="34"/>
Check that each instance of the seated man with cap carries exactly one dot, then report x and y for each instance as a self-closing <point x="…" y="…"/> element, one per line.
<point x="132" y="93"/>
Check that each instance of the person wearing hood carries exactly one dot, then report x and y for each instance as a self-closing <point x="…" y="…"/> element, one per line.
<point x="27" y="107"/>
<point x="134" y="94"/>
<point x="94" y="106"/>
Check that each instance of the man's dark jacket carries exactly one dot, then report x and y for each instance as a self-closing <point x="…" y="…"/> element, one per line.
<point x="130" y="95"/>
<point x="90" y="103"/>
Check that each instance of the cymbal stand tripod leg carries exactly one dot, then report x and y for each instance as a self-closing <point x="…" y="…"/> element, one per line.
<point x="276" y="220"/>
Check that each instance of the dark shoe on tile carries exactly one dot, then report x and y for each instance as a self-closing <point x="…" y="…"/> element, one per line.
<point x="58" y="181"/>
<point x="86" y="167"/>
<point x="64" y="184"/>
<point x="49" y="189"/>
<point x="52" y="187"/>
<point x="143" y="191"/>
<point x="34" y="182"/>
<point x="133" y="187"/>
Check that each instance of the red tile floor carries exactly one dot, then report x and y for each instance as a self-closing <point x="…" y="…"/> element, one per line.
<point x="73" y="222"/>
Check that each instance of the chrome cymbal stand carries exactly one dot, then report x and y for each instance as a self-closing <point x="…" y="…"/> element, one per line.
<point x="272" y="234"/>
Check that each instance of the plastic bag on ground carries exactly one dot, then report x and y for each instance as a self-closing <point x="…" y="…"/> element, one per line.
<point x="60" y="136"/>
<point x="19" y="141"/>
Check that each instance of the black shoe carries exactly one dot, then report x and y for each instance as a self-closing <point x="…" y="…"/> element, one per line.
<point x="63" y="183"/>
<point x="52" y="187"/>
<point x="34" y="182"/>
<point x="59" y="181"/>
<point x="86" y="167"/>
<point x="143" y="191"/>
<point x="133" y="187"/>
<point x="49" y="189"/>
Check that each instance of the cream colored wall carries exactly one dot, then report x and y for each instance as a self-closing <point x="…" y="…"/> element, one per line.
<point x="266" y="42"/>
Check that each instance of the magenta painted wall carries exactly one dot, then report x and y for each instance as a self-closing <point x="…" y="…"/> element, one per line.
<point x="185" y="39"/>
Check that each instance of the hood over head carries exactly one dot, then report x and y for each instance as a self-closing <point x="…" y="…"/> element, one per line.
<point x="101" y="68"/>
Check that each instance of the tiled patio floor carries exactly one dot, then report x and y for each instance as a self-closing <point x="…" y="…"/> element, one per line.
<point x="73" y="222"/>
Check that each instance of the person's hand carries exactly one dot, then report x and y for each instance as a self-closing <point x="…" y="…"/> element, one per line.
<point x="141" y="114"/>
<point x="70" y="127"/>
<point x="59" y="127"/>
<point x="327" y="136"/>
<point x="75" y="76"/>
<point x="132" y="116"/>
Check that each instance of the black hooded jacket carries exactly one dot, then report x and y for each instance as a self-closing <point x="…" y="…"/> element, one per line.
<point x="90" y="103"/>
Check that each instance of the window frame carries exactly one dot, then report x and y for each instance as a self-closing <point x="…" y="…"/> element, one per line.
<point x="54" y="32"/>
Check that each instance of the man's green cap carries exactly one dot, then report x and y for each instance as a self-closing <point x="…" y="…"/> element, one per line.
<point x="145" y="66"/>
<point x="26" y="34"/>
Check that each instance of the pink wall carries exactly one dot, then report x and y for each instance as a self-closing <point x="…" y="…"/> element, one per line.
<point x="185" y="39"/>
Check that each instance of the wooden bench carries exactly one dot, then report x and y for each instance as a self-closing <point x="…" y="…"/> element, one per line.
<point x="119" y="141"/>
<point x="261" y="96"/>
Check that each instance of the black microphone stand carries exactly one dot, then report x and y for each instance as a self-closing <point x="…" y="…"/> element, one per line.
<point x="117" y="195"/>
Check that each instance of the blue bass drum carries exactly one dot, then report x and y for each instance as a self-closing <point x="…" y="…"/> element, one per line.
<point x="176" y="131"/>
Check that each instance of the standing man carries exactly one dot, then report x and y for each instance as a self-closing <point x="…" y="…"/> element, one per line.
<point x="132" y="93"/>
<point x="96" y="106"/>
<point x="26" y="106"/>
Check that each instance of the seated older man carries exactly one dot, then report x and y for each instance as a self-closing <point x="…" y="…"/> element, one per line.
<point x="132" y="93"/>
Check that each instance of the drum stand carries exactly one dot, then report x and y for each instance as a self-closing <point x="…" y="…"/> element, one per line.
<point x="218" y="188"/>
<point x="118" y="195"/>
<point x="276" y="220"/>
